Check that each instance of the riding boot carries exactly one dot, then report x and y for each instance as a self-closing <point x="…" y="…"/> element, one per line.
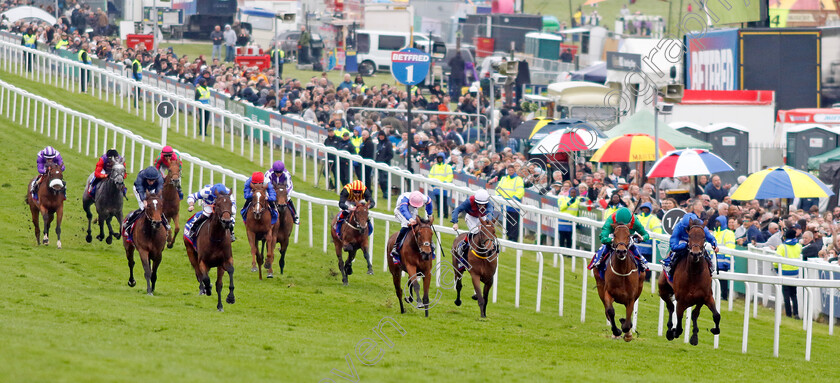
<point x="232" y="236"/>
<point x="292" y="207"/>
<point x="395" y="251"/>
<point x="199" y="219"/>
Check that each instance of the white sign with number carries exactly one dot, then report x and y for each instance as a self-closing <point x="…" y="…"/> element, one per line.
<point x="670" y="219"/>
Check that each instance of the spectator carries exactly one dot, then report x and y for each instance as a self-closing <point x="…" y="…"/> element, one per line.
<point x="217" y="37"/>
<point x="774" y="239"/>
<point x="230" y="44"/>
<point x="367" y="150"/>
<point x="791" y="249"/>
<point x="810" y="247"/>
<point x="442" y="172"/>
<point x="715" y="191"/>
<point x="512" y="188"/>
<point x="571" y="205"/>
<point x="384" y="154"/>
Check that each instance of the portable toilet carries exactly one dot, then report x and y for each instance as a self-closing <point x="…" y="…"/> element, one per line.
<point x="543" y="45"/>
<point x="691" y="129"/>
<point x="729" y="141"/>
<point x="807" y="140"/>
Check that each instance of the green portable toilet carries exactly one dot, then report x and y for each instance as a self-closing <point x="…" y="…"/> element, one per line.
<point x="543" y="45"/>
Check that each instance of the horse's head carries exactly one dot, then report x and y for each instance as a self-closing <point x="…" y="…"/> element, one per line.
<point x="282" y="194"/>
<point x="154" y="210"/>
<point x="484" y="241"/>
<point x="361" y="213"/>
<point x="223" y="209"/>
<point x="423" y="236"/>
<point x="259" y="199"/>
<point x="54" y="177"/>
<point x="696" y="240"/>
<point x="118" y="171"/>
<point x="621" y="240"/>
<point x="173" y="175"/>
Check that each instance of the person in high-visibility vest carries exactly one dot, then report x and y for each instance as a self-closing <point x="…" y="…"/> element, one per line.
<point x="512" y="188"/>
<point x="63" y="43"/>
<point x="442" y="172"/>
<point x="277" y="56"/>
<point x="653" y="225"/>
<point x="202" y="95"/>
<point x="570" y="205"/>
<point x="84" y="58"/>
<point x="29" y="40"/>
<point x="725" y="236"/>
<point x="356" y="139"/>
<point x="137" y="74"/>
<point x="791" y="249"/>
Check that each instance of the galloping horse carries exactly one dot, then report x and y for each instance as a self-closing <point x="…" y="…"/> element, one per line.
<point x="284" y="225"/>
<point x="212" y="249"/>
<point x="354" y="236"/>
<point x="692" y="286"/>
<point x="50" y="203"/>
<point x="172" y="200"/>
<point x="148" y="236"/>
<point x="416" y="260"/>
<point x="482" y="257"/>
<point x="622" y="282"/>
<point x="109" y="203"/>
<point x="259" y="228"/>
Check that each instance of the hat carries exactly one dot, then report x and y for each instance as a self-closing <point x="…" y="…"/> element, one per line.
<point x="257" y="178"/>
<point x="646" y="205"/>
<point x="556" y="184"/>
<point x="790" y="234"/>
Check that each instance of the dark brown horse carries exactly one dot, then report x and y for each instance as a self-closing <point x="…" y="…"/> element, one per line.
<point x="172" y="199"/>
<point x="482" y="256"/>
<point x="149" y="238"/>
<point x="692" y="286"/>
<point x="622" y="282"/>
<point x="354" y="236"/>
<point x="213" y="249"/>
<point x="416" y="260"/>
<point x="49" y="205"/>
<point x="260" y="231"/>
<point x="284" y="225"/>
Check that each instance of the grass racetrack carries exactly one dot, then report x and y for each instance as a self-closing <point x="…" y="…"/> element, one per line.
<point x="68" y="315"/>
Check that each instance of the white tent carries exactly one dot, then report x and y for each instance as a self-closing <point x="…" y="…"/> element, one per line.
<point x="26" y="12"/>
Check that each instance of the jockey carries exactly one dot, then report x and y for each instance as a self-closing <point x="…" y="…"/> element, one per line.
<point x="103" y="170"/>
<point x="353" y="192"/>
<point x="476" y="207"/>
<point x="622" y="216"/>
<point x="277" y="174"/>
<point x="167" y="154"/>
<point x="208" y="196"/>
<point x="45" y="156"/>
<point x="406" y="213"/>
<point x="148" y="180"/>
<point x="258" y="178"/>
<point x="679" y="241"/>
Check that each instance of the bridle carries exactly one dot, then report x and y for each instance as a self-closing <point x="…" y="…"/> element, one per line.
<point x="156" y="202"/>
<point x="359" y="226"/>
<point x="54" y="173"/>
<point x="277" y="190"/>
<point x="174" y="176"/>
<point x="428" y="244"/>
<point x="258" y="207"/>
<point x="221" y="213"/>
<point x="485" y="251"/>
<point x="622" y="254"/>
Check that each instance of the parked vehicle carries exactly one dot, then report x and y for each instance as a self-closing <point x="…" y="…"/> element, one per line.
<point x="373" y="48"/>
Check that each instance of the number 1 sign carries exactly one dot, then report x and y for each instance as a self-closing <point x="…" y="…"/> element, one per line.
<point x="410" y="66"/>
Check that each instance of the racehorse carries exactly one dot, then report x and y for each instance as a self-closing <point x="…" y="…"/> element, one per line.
<point x="354" y="236"/>
<point x="50" y="204"/>
<point x="284" y="225"/>
<point x="692" y="286"/>
<point x="622" y="282"/>
<point x="148" y="236"/>
<point x="212" y="249"/>
<point x="416" y="260"/>
<point x="172" y="200"/>
<point x="482" y="257"/>
<point x="259" y="228"/>
<point x="109" y="203"/>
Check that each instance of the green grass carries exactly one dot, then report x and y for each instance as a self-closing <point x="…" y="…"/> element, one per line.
<point x="67" y="315"/>
<point x="609" y="10"/>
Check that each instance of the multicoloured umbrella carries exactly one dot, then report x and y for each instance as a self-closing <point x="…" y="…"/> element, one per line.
<point x="568" y="140"/>
<point x="781" y="182"/>
<point x="527" y="129"/>
<point x="631" y="148"/>
<point x="689" y="162"/>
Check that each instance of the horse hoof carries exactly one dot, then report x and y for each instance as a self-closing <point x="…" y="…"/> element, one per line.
<point x="714" y="331"/>
<point x="475" y="297"/>
<point x="669" y="335"/>
<point x="270" y="275"/>
<point x="230" y="300"/>
<point x="616" y="332"/>
<point x="616" y="337"/>
<point x="348" y="270"/>
<point x="253" y="269"/>
<point x="421" y="306"/>
<point x="221" y="309"/>
<point x="346" y="283"/>
<point x="408" y="299"/>
<point x="628" y="337"/>
<point x="89" y="238"/>
<point x="117" y="235"/>
<point x="109" y="240"/>
<point x="131" y="283"/>
<point x="370" y="271"/>
<point x="169" y="246"/>
<point x="267" y="266"/>
<point x="100" y="237"/>
<point x="457" y="302"/>
<point x="58" y="244"/>
<point x="150" y="293"/>
<point x="693" y="340"/>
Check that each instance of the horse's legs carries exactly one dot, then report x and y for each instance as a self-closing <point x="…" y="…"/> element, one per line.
<point x="627" y="322"/>
<point x="155" y="264"/>
<point x="476" y="280"/>
<point x="670" y="306"/>
<point x="219" y="275"/>
<point x="397" y="277"/>
<point x="59" y="215"/>
<point x="147" y="269"/>
<point x="48" y="217"/>
<point x="710" y="303"/>
<point x="338" y="251"/>
<point x="609" y="310"/>
<point x="487" y="285"/>
<point x="129" y="255"/>
<point x="252" y="242"/>
<point x="119" y="217"/>
<point x="229" y="268"/>
<point x="695" y="313"/>
<point x="176" y="228"/>
<point x="111" y="235"/>
<point x="348" y="265"/>
<point x="89" y="215"/>
<point x="681" y="307"/>
<point x="203" y="274"/>
<point x="412" y="283"/>
<point x="36" y="222"/>
<point x="101" y="235"/>
<point x="458" y="286"/>
<point x="427" y="279"/>
<point x="268" y="250"/>
<point x="366" y="254"/>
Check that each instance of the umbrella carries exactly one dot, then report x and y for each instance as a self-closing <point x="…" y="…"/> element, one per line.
<point x="565" y="123"/>
<point x="781" y="182"/>
<point x="689" y="162"/>
<point x="592" y="2"/>
<point x="630" y="148"/>
<point x="527" y="129"/>
<point x="567" y="140"/>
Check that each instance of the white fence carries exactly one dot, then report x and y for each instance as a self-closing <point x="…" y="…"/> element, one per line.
<point x="87" y="135"/>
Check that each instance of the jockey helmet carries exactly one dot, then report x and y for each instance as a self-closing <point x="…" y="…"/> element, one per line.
<point x="356" y="186"/>
<point x="112" y="153"/>
<point x="219" y="189"/>
<point x="257" y="178"/>
<point x="50" y="152"/>
<point x="278" y="167"/>
<point x="416" y="199"/>
<point x="167" y="150"/>
<point x="623" y="216"/>
<point x="482" y="197"/>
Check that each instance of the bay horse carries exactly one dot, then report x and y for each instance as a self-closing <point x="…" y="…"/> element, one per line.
<point x="692" y="286"/>
<point x="416" y="260"/>
<point x="49" y="205"/>
<point x="148" y="236"/>
<point x="109" y="203"/>
<point x="212" y="249"/>
<point x="482" y="259"/>
<point x="622" y="282"/>
<point x="259" y="228"/>
<point x="354" y="237"/>
<point x="172" y="200"/>
<point x="284" y="225"/>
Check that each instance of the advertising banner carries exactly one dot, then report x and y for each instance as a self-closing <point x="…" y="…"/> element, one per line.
<point x="712" y="60"/>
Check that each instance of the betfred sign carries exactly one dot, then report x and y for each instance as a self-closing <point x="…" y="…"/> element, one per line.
<point x="402" y="57"/>
<point x="712" y="60"/>
<point x="410" y="66"/>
